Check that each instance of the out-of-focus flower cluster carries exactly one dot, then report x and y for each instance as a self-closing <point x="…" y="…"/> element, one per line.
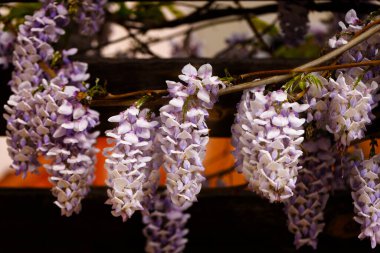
<point x="305" y="208"/>
<point x="90" y="16"/>
<point x="267" y="136"/>
<point x="165" y="227"/>
<point x="293" y="20"/>
<point x="7" y="40"/>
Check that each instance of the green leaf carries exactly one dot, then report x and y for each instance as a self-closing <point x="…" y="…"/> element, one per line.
<point x="308" y="49"/>
<point x="173" y="9"/>
<point x="262" y="26"/>
<point x="19" y="11"/>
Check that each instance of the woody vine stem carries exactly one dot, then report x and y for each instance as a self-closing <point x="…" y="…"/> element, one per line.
<point x="120" y="100"/>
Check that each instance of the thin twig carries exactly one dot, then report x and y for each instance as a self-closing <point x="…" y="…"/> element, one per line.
<point x="329" y="56"/>
<point x="248" y="17"/>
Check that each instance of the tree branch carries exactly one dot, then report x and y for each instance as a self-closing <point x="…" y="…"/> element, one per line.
<point x="329" y="56"/>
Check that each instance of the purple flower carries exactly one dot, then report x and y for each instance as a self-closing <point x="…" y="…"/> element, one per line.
<point x="165" y="226"/>
<point x="365" y="184"/>
<point x="131" y="163"/>
<point x="7" y="40"/>
<point x="305" y="208"/>
<point x="32" y="46"/>
<point x="266" y="134"/>
<point x="184" y="133"/>
<point x="65" y="126"/>
<point x="293" y="20"/>
<point x="90" y="16"/>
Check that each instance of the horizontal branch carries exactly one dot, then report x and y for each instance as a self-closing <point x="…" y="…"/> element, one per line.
<point x="329" y="56"/>
<point x="311" y="69"/>
<point x="271" y="8"/>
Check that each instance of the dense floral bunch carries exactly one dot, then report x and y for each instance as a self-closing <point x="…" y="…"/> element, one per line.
<point x="365" y="184"/>
<point x="33" y="45"/>
<point x="184" y="133"/>
<point x="132" y="162"/>
<point x="90" y="16"/>
<point x="267" y="134"/>
<point x="45" y="115"/>
<point x="165" y="226"/>
<point x="7" y="40"/>
<point x="305" y="208"/>
<point x="293" y="20"/>
<point x="343" y="106"/>
<point x="68" y="142"/>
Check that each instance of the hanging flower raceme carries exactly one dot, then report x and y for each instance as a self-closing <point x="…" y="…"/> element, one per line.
<point x="131" y="161"/>
<point x="293" y="20"/>
<point x="68" y="142"/>
<point x="33" y="46"/>
<point x="7" y="40"/>
<point x="365" y="184"/>
<point x="342" y="106"/>
<point x="268" y="132"/>
<point x="165" y="226"/>
<point x="90" y="16"/>
<point x="184" y="133"/>
<point x="305" y="208"/>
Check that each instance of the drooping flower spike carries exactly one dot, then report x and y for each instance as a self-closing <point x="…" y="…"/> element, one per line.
<point x="184" y="133"/>
<point x="132" y="162"/>
<point x="305" y="208"/>
<point x="165" y="227"/>
<point x="267" y="136"/>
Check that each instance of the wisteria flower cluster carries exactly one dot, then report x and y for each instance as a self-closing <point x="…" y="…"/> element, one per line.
<point x="6" y="48"/>
<point x="33" y="46"/>
<point x="131" y="161"/>
<point x="365" y="184"/>
<point x="293" y="20"/>
<point x="45" y="115"/>
<point x="90" y="16"/>
<point x="305" y="208"/>
<point x="165" y="227"/>
<point x="184" y="133"/>
<point x="267" y="136"/>
<point x="68" y="142"/>
<point x="343" y="106"/>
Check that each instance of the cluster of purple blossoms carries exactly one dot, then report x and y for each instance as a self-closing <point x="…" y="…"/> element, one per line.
<point x="90" y="16"/>
<point x="343" y="105"/>
<point x="184" y="133"/>
<point x="7" y="40"/>
<point x="293" y="20"/>
<point x="365" y="184"/>
<point x="267" y="136"/>
<point x="68" y="142"/>
<point x="305" y="208"/>
<point x="165" y="226"/>
<point x="33" y="45"/>
<point x="132" y="163"/>
<point x="45" y="114"/>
